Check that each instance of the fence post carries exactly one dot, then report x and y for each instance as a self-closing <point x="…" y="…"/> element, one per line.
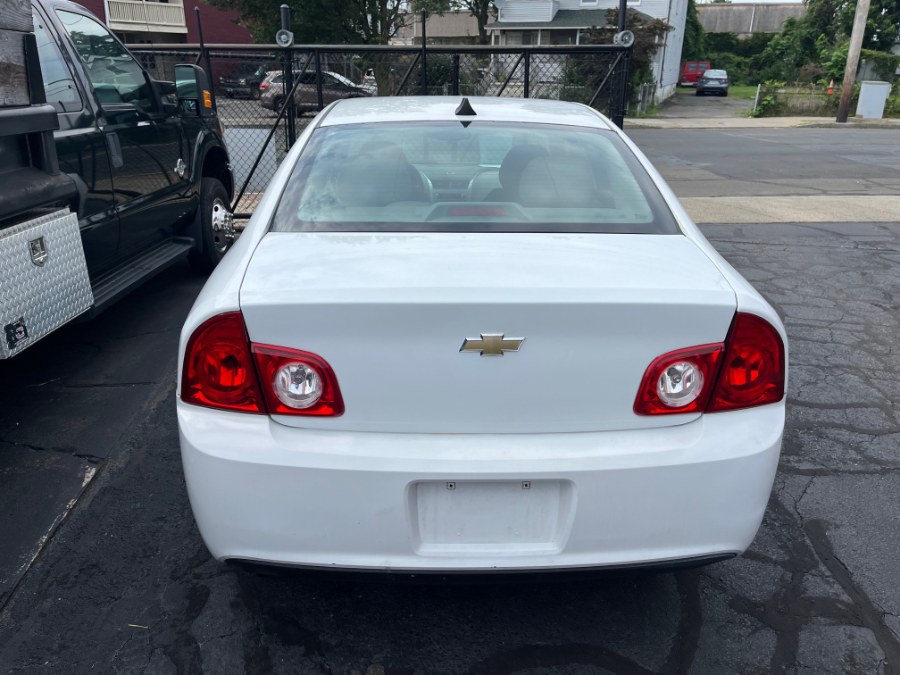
<point x="287" y="58"/>
<point x="454" y="77"/>
<point x="424" y="87"/>
<point x="620" y="90"/>
<point x="527" y="81"/>
<point x="204" y="52"/>
<point x="320" y="99"/>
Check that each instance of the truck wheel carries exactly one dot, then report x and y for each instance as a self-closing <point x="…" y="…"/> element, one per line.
<point x="217" y="232"/>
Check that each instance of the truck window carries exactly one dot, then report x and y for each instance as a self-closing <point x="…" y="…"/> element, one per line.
<point x="116" y="76"/>
<point x="58" y="82"/>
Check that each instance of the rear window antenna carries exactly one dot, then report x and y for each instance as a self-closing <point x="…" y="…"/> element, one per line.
<point x="465" y="108"/>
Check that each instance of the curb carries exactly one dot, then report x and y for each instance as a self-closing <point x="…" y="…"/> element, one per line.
<point x="759" y="123"/>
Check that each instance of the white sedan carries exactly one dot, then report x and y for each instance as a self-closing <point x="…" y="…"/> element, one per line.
<point x="477" y="335"/>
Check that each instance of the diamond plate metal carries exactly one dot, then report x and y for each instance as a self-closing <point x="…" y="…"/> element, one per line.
<point x="49" y="295"/>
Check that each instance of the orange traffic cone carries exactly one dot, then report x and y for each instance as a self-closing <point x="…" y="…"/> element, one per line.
<point x="830" y="88"/>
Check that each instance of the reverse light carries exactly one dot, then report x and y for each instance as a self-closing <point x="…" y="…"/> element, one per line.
<point x="296" y="382"/>
<point x="679" y="382"/>
<point x="747" y="370"/>
<point x="224" y="370"/>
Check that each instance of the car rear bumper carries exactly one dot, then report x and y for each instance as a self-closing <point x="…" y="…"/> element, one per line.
<point x="264" y="492"/>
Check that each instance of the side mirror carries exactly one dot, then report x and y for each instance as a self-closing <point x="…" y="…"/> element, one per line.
<point x="166" y="93"/>
<point x="193" y="91"/>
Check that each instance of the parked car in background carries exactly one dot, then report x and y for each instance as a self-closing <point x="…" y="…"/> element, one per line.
<point x="713" y="82"/>
<point x="243" y="81"/>
<point x="334" y="87"/>
<point x="691" y="72"/>
<point x="477" y="336"/>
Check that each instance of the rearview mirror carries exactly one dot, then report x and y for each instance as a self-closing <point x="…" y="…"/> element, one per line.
<point x="193" y="91"/>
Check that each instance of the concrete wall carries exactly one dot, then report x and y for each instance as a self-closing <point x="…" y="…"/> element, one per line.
<point x="747" y="19"/>
<point x="460" y="26"/>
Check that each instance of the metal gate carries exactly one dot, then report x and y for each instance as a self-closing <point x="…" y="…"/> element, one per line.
<point x="251" y="84"/>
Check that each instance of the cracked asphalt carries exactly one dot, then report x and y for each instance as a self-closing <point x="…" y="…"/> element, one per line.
<point x="123" y="582"/>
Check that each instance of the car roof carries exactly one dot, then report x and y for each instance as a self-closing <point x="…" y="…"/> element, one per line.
<point x="366" y="110"/>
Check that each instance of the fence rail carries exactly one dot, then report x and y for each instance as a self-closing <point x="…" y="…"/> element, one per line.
<point x="251" y="85"/>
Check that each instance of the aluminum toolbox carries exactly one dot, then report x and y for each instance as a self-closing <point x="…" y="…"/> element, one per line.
<point x="43" y="279"/>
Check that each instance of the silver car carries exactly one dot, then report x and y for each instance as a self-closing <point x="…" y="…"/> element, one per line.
<point x="713" y="82"/>
<point x="334" y="86"/>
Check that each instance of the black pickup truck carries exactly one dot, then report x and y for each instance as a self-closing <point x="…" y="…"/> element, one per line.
<point x="140" y="164"/>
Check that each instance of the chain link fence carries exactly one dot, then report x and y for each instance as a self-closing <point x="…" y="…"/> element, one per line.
<point x="251" y="85"/>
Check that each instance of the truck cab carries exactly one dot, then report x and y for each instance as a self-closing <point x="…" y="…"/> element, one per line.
<point x="107" y="176"/>
<point x="153" y="174"/>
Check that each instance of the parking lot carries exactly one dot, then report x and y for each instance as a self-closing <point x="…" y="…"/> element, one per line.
<point x="104" y="570"/>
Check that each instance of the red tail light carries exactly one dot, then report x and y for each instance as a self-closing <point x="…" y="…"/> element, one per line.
<point x="264" y="85"/>
<point x="223" y="370"/>
<point x="218" y="368"/>
<point x="753" y="369"/>
<point x="746" y="371"/>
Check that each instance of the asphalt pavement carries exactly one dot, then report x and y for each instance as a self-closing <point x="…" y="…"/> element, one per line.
<point x="103" y="569"/>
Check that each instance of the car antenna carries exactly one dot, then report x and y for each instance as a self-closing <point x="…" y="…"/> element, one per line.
<point x="465" y="108"/>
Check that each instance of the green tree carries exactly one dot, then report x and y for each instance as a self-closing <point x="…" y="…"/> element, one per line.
<point x="694" y="46"/>
<point x="649" y="36"/>
<point x="330" y="21"/>
<point x="481" y="10"/>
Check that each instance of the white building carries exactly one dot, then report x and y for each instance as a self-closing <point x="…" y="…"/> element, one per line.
<point x="564" y="22"/>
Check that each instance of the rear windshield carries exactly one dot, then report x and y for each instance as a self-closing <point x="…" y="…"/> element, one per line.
<point x="486" y="176"/>
<point x="715" y="73"/>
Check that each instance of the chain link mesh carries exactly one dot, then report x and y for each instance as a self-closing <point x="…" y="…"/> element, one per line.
<point x="249" y="85"/>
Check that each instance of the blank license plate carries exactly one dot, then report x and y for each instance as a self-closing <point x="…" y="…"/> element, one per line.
<point x="478" y="517"/>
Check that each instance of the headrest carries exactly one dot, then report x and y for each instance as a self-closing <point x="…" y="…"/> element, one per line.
<point x="558" y="182"/>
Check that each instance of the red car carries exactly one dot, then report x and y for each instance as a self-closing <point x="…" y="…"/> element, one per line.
<point x="691" y="72"/>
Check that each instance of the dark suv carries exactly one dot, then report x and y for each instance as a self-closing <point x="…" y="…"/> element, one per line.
<point x="148" y="157"/>
<point x="244" y="81"/>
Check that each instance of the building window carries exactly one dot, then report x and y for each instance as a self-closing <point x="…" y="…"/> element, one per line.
<point x="516" y="38"/>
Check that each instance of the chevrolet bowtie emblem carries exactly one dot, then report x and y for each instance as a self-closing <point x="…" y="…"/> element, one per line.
<point x="491" y="344"/>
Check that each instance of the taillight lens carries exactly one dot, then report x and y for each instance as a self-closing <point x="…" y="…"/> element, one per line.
<point x="753" y="369"/>
<point x="224" y="370"/>
<point x="297" y="383"/>
<point x="746" y="371"/>
<point x="679" y="382"/>
<point x="218" y="368"/>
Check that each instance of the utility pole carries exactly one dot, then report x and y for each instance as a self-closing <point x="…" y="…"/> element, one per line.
<point x="856" y="38"/>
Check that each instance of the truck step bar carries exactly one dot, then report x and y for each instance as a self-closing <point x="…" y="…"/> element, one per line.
<point x="113" y="285"/>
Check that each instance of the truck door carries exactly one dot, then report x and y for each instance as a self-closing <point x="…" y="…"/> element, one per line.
<point x="148" y="148"/>
<point x="81" y="149"/>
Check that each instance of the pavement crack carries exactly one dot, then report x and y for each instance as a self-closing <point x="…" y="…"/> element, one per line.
<point x="109" y="385"/>
<point x="687" y="639"/>
<point x="92" y="459"/>
<point x="872" y="616"/>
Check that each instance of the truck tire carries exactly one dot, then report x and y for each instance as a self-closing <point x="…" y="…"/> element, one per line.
<point x="217" y="232"/>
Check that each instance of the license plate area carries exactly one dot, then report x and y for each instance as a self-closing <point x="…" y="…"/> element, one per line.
<point x="474" y="518"/>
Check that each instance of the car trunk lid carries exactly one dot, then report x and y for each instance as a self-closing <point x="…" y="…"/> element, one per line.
<point x="390" y="313"/>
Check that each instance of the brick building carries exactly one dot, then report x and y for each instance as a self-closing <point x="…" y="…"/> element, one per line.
<point x="143" y="21"/>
